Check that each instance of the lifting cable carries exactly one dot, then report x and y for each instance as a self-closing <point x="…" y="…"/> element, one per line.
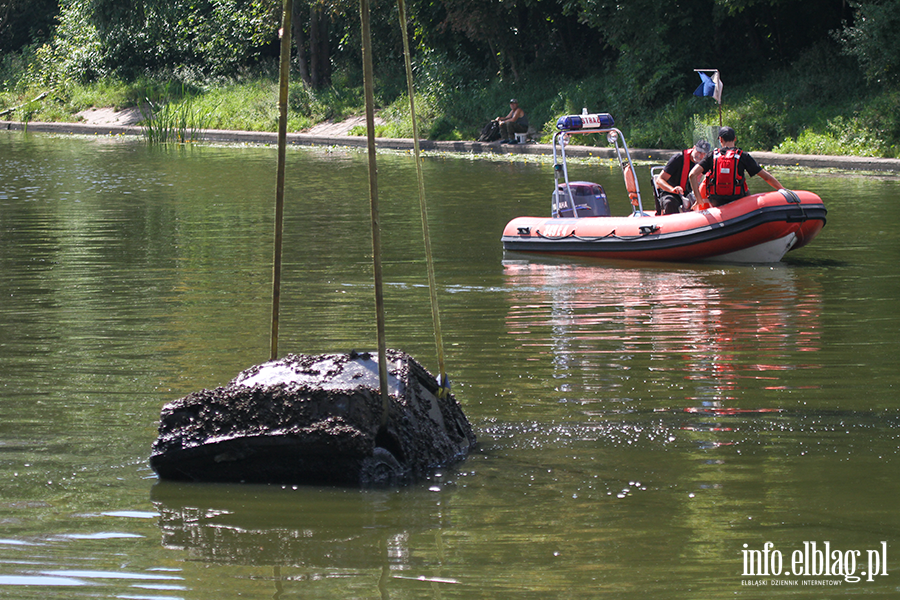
<point x="373" y="197"/>
<point x="284" y="76"/>
<point x="435" y="314"/>
<point x="373" y="202"/>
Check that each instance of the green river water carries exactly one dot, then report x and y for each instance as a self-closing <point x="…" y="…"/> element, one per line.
<point x="651" y="431"/>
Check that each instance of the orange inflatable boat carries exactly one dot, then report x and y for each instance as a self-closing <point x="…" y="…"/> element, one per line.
<point x="760" y="228"/>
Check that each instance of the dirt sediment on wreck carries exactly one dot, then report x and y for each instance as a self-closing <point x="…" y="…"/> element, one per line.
<point x="314" y="419"/>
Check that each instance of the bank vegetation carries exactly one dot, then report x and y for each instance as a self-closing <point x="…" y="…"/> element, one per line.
<point x="798" y="77"/>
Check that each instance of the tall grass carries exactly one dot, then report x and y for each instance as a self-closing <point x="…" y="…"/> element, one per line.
<point x="172" y="120"/>
<point x="818" y="105"/>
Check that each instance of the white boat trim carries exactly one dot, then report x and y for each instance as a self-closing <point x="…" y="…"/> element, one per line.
<point x="767" y="252"/>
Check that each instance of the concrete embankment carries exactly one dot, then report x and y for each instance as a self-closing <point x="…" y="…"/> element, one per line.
<point x="856" y="163"/>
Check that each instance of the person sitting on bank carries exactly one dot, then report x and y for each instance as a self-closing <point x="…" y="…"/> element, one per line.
<point x="727" y="168"/>
<point x="513" y="123"/>
<point x="674" y="183"/>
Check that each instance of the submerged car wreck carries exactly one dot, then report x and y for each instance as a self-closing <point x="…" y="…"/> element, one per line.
<point x="315" y="419"/>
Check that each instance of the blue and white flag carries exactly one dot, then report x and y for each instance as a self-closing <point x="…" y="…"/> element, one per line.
<point x="711" y="86"/>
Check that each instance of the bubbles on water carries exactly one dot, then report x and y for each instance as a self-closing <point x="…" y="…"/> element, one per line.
<point x="792" y="432"/>
<point x="629" y="490"/>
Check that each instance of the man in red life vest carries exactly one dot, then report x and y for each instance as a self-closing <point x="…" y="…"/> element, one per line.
<point x="728" y="168"/>
<point x="674" y="182"/>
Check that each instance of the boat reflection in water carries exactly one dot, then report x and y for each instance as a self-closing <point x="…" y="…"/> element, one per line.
<point x="697" y="347"/>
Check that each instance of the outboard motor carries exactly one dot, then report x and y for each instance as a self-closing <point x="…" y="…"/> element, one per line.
<point x="589" y="198"/>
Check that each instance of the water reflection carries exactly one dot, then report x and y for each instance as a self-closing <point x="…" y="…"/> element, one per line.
<point x="702" y="342"/>
<point x="325" y="532"/>
<point x="718" y="326"/>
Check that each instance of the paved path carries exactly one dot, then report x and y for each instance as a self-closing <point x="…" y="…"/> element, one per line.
<point x="326" y="139"/>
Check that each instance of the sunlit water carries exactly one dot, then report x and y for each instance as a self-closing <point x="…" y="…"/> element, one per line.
<point x="638" y="424"/>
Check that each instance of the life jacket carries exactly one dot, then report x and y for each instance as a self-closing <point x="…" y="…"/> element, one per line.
<point x="686" y="169"/>
<point x="723" y="179"/>
<point x="685" y="179"/>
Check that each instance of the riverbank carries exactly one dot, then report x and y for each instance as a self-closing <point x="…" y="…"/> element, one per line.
<point x="851" y="163"/>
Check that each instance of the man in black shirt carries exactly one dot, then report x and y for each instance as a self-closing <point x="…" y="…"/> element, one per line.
<point x="674" y="182"/>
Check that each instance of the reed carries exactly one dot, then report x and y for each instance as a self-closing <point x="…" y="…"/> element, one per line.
<point x="173" y="120"/>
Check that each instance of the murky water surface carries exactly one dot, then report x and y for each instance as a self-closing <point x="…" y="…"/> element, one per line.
<point x="644" y="429"/>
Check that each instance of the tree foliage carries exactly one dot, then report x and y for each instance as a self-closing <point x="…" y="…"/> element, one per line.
<point x="24" y="22"/>
<point x="512" y="35"/>
<point x="656" y="44"/>
<point x="874" y="41"/>
<point x="316" y="24"/>
<point x="127" y="38"/>
<point x="644" y="50"/>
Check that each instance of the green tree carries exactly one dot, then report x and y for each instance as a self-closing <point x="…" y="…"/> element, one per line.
<point x="314" y="24"/>
<point x="132" y="37"/>
<point x="873" y="40"/>
<point x="754" y="36"/>
<point x="515" y="34"/>
<point x="657" y="43"/>
<point x="648" y="41"/>
<point x="24" y="22"/>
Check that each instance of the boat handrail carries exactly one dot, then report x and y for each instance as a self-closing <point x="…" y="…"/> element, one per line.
<point x="614" y="136"/>
<point x="557" y="167"/>
<point x="655" y="172"/>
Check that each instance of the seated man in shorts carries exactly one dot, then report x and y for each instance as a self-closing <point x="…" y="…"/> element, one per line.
<point x="674" y="182"/>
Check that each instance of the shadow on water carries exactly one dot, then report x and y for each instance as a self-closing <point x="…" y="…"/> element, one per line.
<point x="818" y="262"/>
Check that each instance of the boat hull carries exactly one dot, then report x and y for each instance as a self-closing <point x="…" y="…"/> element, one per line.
<point x="758" y="228"/>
